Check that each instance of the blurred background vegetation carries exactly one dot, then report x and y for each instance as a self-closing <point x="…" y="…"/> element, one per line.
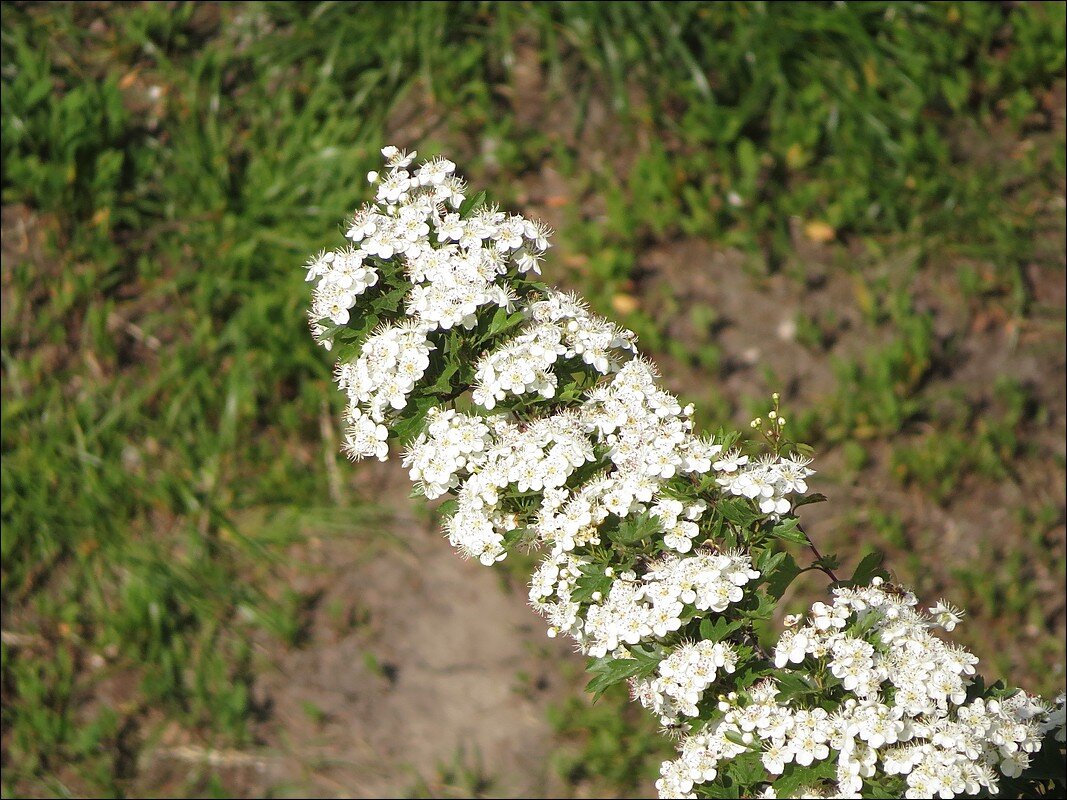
<point x="860" y="205"/>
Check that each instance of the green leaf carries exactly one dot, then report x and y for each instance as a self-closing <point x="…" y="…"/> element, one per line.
<point x="747" y="769"/>
<point x="501" y="323"/>
<point x="797" y="777"/>
<point x="716" y="630"/>
<point x="830" y="562"/>
<point x="412" y="419"/>
<point x="515" y="535"/>
<point x="744" y="678"/>
<point x="443" y="384"/>
<point x="353" y="336"/>
<point x="390" y="301"/>
<point x="472" y="204"/>
<point x="764" y="607"/>
<point x="737" y="739"/>
<point x="792" y="685"/>
<point x="608" y="672"/>
<point x="783" y="574"/>
<point x="870" y="566"/>
<point x="768" y="561"/>
<point x="738" y="511"/>
<point x="808" y="499"/>
<point x="589" y="584"/>
<point x="787" y="529"/>
<point x="722" y="787"/>
<point x="634" y="529"/>
<point x="448" y="507"/>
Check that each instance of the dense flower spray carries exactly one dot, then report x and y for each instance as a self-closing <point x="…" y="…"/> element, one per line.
<point x="663" y="548"/>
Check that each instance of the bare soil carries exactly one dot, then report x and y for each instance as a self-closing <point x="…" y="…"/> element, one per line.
<point x="420" y="674"/>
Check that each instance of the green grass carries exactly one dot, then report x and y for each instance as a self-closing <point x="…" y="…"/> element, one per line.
<point x="610" y="747"/>
<point x="162" y="402"/>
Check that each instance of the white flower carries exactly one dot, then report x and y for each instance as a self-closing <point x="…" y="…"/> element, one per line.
<point x="730" y="461"/>
<point x="435" y="172"/>
<point x="364" y="437"/>
<point x="450" y="228"/>
<point x="792" y="648"/>
<point x="946" y="615"/>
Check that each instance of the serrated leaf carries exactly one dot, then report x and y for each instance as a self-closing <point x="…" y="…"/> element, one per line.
<point x="473" y="203"/>
<point x="763" y="610"/>
<point x="830" y="562"/>
<point x="869" y="567"/>
<point x="588" y="585"/>
<point x="448" y="507"/>
<point x="716" y="630"/>
<point x="768" y="560"/>
<point x="738" y="512"/>
<point x="608" y="672"/>
<point x="390" y="301"/>
<point x="746" y="677"/>
<point x="353" y="335"/>
<point x="791" y="685"/>
<point x="722" y="787"/>
<point x="808" y="499"/>
<point x="648" y="655"/>
<point x="515" y="535"/>
<point x="502" y="322"/>
<point x="747" y="769"/>
<point x="781" y="576"/>
<point x="443" y="384"/>
<point x="796" y="777"/>
<point x="570" y="393"/>
<point x="634" y="529"/>
<point x="787" y="529"/>
<point x="412" y="419"/>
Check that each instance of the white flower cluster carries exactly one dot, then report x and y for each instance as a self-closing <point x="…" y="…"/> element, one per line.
<point x="568" y="519"/>
<point x="648" y="434"/>
<point x="905" y="713"/>
<point x="768" y="480"/>
<point x="562" y="328"/>
<point x="342" y="276"/>
<point x="610" y="478"/>
<point x="678" y="532"/>
<point x="454" y="264"/>
<point x="392" y="361"/>
<point x="638" y="609"/>
<point x="550" y="590"/>
<point x="451" y="444"/>
<point x="708" y="581"/>
<point x="698" y="762"/>
<point x="522" y="366"/>
<point x="451" y="277"/>
<point x="364" y="437"/>
<point x="602" y="344"/>
<point x="531" y="457"/>
<point x="683" y="677"/>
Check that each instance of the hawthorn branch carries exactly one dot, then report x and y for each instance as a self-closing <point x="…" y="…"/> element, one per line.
<point x="819" y="564"/>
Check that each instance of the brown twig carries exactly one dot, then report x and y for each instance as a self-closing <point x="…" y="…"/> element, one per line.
<point x="818" y="556"/>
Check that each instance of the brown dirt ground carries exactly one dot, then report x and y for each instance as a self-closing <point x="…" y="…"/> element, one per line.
<point x="421" y="674"/>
